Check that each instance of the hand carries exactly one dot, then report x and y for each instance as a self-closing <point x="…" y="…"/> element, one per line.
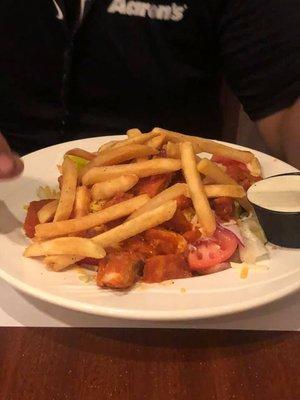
<point x="10" y="163"/>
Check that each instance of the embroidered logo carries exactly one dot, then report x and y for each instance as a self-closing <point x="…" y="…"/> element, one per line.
<point x="172" y="12"/>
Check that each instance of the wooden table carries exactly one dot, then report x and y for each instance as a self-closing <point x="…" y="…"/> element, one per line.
<point x="114" y="364"/>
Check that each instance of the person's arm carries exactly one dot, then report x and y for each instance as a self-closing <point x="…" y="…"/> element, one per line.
<point x="10" y="163"/>
<point x="260" y="53"/>
<point x="281" y="132"/>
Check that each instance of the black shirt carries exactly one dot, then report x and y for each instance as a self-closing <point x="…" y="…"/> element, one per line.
<point x="141" y="64"/>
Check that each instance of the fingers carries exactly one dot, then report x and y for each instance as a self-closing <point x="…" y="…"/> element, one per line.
<point x="10" y="163"/>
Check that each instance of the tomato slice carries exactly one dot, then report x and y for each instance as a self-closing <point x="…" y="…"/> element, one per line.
<point x="213" y="251"/>
<point x="229" y="162"/>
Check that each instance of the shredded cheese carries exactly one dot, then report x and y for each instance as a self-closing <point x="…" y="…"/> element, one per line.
<point x="244" y="272"/>
<point x="244" y="268"/>
<point x="45" y="192"/>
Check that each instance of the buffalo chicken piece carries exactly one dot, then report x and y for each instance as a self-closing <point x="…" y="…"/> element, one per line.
<point x="165" y="242"/>
<point x="237" y="171"/>
<point x="223" y="207"/>
<point x="118" y="271"/>
<point x="192" y="236"/>
<point x="152" y="185"/>
<point x="32" y="219"/>
<point x="139" y="247"/>
<point x="161" y="268"/>
<point x="183" y="202"/>
<point x="178" y="223"/>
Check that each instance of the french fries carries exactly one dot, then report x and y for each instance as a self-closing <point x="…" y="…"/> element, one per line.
<point x="171" y="193"/>
<point x="141" y="169"/>
<point x="235" y="191"/>
<point x="140" y="139"/>
<point x="204" y="212"/>
<point x="109" y="188"/>
<point x="47" y="212"/>
<point x="134" y="132"/>
<point x="68" y="190"/>
<point x="177" y="137"/>
<point x="137" y="225"/>
<point x="81" y="153"/>
<point x="157" y="141"/>
<point x="118" y="155"/>
<point x="66" y="245"/>
<point x="60" y="228"/>
<point x="60" y="262"/>
<point x="255" y="167"/>
<point x="173" y="150"/>
<point x="208" y="146"/>
<point x="82" y="202"/>
<point x="179" y="189"/>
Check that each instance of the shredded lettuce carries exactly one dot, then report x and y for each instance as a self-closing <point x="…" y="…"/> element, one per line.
<point x="79" y="161"/>
<point x="45" y="193"/>
<point x="254" y="240"/>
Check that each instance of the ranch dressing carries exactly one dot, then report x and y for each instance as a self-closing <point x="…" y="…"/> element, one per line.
<point x="279" y="193"/>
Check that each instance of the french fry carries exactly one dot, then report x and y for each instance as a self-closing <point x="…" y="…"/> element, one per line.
<point x="234" y="191"/>
<point x="107" y="189"/>
<point x="140" y="139"/>
<point x="134" y="132"/>
<point x="171" y="193"/>
<point x="60" y="262"/>
<point x="107" y="145"/>
<point x="119" y="155"/>
<point x="137" y="225"/>
<point x="213" y="171"/>
<point x="177" y="137"/>
<point x="141" y="159"/>
<point x="62" y="228"/>
<point x="204" y="212"/>
<point x="209" y="146"/>
<point x="66" y="245"/>
<point x="47" y="212"/>
<point x="141" y="169"/>
<point x="81" y="153"/>
<point x="82" y="202"/>
<point x="254" y="167"/>
<point x="68" y="190"/>
<point x="157" y="141"/>
<point x="173" y="150"/>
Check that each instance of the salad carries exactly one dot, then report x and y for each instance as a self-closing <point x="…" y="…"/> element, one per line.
<point x="155" y="206"/>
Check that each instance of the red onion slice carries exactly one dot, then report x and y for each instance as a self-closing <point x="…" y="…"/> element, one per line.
<point x="233" y="228"/>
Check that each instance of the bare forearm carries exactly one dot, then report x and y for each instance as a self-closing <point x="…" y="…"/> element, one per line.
<point x="281" y="132"/>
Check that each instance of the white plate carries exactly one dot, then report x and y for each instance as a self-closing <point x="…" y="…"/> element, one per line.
<point x="199" y="297"/>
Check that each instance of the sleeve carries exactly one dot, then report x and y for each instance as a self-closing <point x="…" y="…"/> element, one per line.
<point x="260" y="53"/>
